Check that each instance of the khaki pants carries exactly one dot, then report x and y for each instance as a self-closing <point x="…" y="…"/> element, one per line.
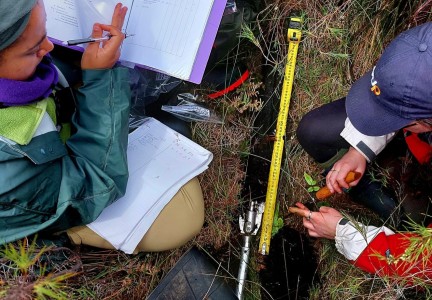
<point x="179" y="221"/>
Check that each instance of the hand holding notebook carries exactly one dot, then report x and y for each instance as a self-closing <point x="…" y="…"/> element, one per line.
<point x="171" y="36"/>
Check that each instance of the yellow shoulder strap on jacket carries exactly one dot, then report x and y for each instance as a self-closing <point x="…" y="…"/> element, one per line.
<point x="19" y="123"/>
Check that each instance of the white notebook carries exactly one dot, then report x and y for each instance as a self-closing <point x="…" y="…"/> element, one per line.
<point x="160" y="161"/>
<point x="172" y="36"/>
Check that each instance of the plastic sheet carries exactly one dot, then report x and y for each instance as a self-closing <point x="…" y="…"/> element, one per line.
<point x="230" y="7"/>
<point x="187" y="109"/>
<point x="146" y="88"/>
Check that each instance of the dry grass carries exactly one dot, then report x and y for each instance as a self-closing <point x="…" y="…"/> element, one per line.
<point x="342" y="40"/>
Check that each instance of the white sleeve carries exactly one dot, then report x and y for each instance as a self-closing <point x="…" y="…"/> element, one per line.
<point x="352" y="238"/>
<point x="61" y="78"/>
<point x="368" y="146"/>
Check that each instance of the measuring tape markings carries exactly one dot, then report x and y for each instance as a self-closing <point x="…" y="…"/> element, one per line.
<point x="294" y="35"/>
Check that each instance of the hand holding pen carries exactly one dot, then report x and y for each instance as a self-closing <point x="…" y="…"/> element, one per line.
<point x="91" y="40"/>
<point x="96" y="56"/>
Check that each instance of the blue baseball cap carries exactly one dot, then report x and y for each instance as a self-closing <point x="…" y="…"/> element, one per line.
<point x="398" y="90"/>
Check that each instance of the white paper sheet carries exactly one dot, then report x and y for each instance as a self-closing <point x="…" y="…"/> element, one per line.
<point x="167" y="34"/>
<point x="176" y="32"/>
<point x="160" y="162"/>
<point x="62" y="20"/>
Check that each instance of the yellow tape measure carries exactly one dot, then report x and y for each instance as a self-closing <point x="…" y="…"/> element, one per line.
<point x="294" y="35"/>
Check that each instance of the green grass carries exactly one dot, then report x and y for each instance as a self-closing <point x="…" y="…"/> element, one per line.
<point x="26" y="273"/>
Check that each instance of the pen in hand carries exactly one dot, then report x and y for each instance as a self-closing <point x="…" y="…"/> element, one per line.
<point x="90" y="40"/>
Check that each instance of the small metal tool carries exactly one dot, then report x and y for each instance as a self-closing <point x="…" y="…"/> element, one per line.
<point x="248" y="227"/>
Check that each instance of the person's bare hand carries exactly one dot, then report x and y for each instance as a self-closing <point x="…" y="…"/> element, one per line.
<point x="353" y="160"/>
<point x="96" y="57"/>
<point x="320" y="223"/>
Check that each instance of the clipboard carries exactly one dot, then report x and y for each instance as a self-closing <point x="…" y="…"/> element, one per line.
<point x="196" y="61"/>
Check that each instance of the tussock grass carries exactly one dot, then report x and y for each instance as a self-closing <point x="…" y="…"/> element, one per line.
<point x="342" y="40"/>
<point x="28" y="271"/>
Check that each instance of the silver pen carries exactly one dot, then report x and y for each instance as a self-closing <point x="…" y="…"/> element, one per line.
<point x="90" y="40"/>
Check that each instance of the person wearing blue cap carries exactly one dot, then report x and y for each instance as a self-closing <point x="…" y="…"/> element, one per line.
<point x="49" y="185"/>
<point x="395" y="96"/>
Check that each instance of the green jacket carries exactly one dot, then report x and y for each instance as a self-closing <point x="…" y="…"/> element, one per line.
<point x="50" y="186"/>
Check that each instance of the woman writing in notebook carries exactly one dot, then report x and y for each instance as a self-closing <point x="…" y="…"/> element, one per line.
<point x="49" y="185"/>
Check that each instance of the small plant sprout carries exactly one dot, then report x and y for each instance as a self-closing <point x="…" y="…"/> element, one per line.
<point x="312" y="184"/>
<point x="278" y="222"/>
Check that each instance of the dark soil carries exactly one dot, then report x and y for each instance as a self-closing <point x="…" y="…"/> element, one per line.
<point x="290" y="267"/>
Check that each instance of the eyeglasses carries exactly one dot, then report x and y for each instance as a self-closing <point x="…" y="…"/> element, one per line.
<point x="426" y="122"/>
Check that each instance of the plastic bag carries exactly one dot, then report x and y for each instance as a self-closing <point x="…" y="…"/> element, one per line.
<point x="146" y="87"/>
<point x="230" y="7"/>
<point x="187" y="109"/>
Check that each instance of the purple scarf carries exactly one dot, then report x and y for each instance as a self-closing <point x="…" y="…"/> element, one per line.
<point x="36" y="88"/>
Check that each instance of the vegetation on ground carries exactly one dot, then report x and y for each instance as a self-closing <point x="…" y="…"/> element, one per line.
<point x="342" y="40"/>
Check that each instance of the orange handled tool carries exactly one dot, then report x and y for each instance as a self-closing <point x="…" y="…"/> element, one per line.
<point x="324" y="192"/>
